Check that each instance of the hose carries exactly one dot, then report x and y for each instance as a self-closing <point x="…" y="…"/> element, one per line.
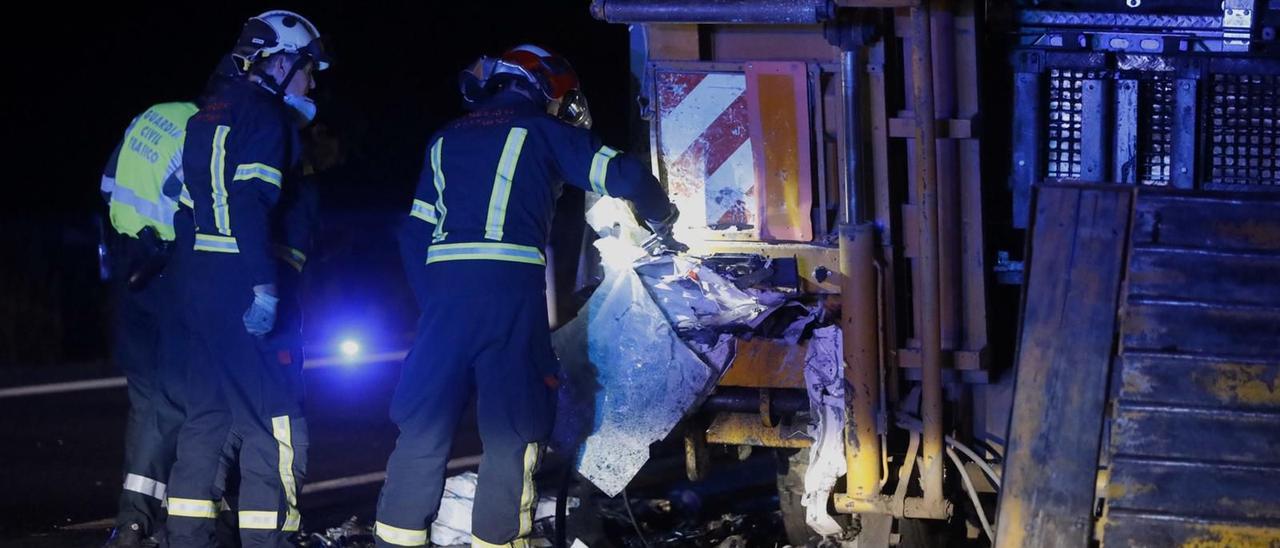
<point x="973" y="495"/>
<point x="913" y="424"/>
<point x="626" y="502"/>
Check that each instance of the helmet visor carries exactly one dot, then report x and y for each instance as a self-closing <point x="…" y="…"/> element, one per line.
<point x="317" y="52"/>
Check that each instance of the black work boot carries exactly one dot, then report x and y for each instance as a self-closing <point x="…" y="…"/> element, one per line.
<point x="126" y="536"/>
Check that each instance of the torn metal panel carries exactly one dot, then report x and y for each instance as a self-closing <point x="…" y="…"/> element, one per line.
<point x="694" y="297"/>
<point x="629" y="379"/>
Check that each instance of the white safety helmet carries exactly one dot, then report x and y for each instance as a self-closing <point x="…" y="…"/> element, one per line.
<point x="279" y="31"/>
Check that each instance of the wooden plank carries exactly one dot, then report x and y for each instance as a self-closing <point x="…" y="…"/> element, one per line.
<point x="1217" y="223"/>
<point x="1201" y="382"/>
<point x="1196" y="433"/>
<point x="1197" y="456"/>
<point x="1074" y="272"/>
<point x="1195" y="328"/>
<point x="1142" y="531"/>
<point x="1222" y="277"/>
<point x="1195" y="489"/>
<point x="1206" y="275"/>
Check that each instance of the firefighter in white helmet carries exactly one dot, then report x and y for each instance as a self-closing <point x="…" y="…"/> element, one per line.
<point x="242" y="149"/>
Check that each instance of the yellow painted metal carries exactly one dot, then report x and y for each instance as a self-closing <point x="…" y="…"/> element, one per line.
<point x="696" y="458"/>
<point x="766" y="363"/>
<point x="862" y="358"/>
<point x="747" y="429"/>
<point x="1102" y="482"/>
<point x="809" y="259"/>
<point x="1225" y="535"/>
<point x="926" y="190"/>
<point x="780" y="128"/>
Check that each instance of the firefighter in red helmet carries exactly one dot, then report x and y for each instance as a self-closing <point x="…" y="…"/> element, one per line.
<point x="477" y="227"/>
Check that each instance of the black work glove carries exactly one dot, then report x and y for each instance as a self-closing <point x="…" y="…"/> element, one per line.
<point x="662" y="240"/>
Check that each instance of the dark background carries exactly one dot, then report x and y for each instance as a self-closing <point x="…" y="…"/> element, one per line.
<point x="76" y="75"/>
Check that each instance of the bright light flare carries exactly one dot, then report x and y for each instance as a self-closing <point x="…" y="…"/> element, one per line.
<point x="349" y="348"/>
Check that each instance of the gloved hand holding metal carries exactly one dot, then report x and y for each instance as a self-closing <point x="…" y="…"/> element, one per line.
<point x="663" y="241"/>
<point x="260" y="318"/>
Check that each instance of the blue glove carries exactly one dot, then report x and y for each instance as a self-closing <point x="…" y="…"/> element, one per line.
<point x="260" y="318"/>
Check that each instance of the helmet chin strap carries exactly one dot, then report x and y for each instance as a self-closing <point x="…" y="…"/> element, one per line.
<point x="278" y="88"/>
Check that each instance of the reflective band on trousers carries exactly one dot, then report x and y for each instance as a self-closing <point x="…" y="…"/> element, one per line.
<point x="217" y="244"/>
<point x="144" y="485"/>
<point x="292" y="521"/>
<point x="400" y="537"/>
<point x="283" y="432"/>
<point x="485" y="251"/>
<point x="600" y="169"/>
<point x="528" y="491"/>
<point x="192" y="508"/>
<point x="257" y="519"/>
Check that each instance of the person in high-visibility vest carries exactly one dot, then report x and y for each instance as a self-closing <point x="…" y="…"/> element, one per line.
<point x="474" y="248"/>
<point x="142" y="184"/>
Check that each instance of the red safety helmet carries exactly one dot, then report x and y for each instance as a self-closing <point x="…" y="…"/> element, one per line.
<point x="551" y="73"/>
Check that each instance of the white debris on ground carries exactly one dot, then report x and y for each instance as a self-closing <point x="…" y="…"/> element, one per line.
<point x="453" y="521"/>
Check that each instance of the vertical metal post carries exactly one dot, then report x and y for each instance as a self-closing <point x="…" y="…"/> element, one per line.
<point x="1027" y="129"/>
<point x="861" y="352"/>
<point x="926" y="183"/>
<point x="1182" y="160"/>
<point x="850" y="87"/>
<point x="1124" y="165"/>
<point x="1094" y="131"/>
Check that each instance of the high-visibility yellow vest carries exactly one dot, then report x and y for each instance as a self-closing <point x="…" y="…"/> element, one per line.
<point x="150" y="153"/>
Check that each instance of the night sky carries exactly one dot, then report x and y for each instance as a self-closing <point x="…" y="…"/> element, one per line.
<point x="77" y="75"/>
